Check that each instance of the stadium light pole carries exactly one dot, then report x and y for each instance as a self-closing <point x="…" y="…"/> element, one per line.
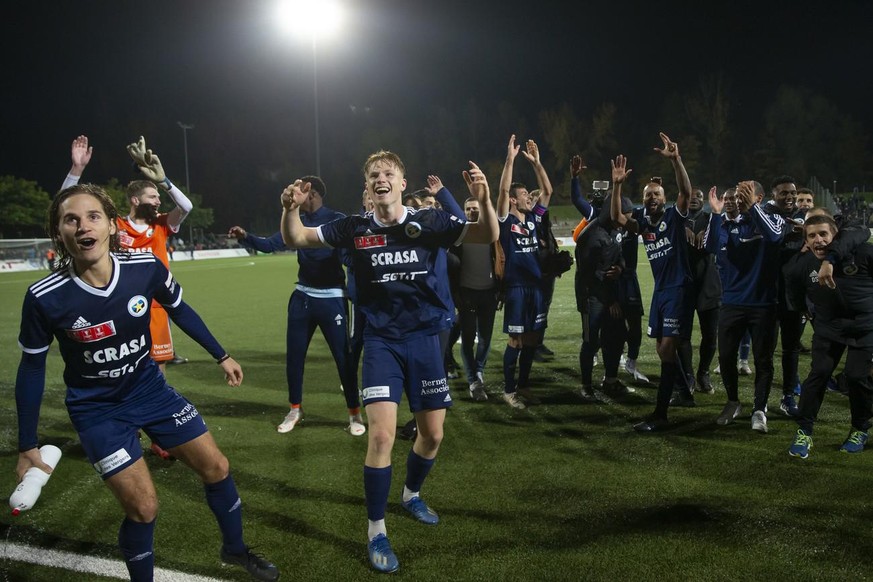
<point x="323" y="19"/>
<point x="185" y="127"/>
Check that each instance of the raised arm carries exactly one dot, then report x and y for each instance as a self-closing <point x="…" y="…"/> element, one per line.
<point x="712" y="233"/>
<point x="506" y="178"/>
<point x="576" y="197"/>
<point x="444" y="197"/>
<point x="532" y="153"/>
<point x="80" y="153"/>
<point x="294" y="234"/>
<point x="270" y="244"/>
<point x="619" y="175"/>
<point x="150" y="166"/>
<point x="671" y="151"/>
<point x="485" y="230"/>
<point x="772" y="226"/>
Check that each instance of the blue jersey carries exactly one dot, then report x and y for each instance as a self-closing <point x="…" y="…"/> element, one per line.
<point x="103" y="333"/>
<point x="518" y="240"/>
<point x="666" y="247"/>
<point x="747" y="254"/>
<point x="401" y="280"/>
<point x="320" y="268"/>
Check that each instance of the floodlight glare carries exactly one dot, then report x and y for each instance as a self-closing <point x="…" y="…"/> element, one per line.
<point x="319" y="18"/>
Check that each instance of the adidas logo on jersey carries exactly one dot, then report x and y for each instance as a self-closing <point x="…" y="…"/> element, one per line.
<point x="81" y="322"/>
<point x="813" y="276"/>
<point x="338" y="319"/>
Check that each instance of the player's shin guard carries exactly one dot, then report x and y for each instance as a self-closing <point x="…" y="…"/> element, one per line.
<point x="417" y="468"/>
<point x="136" y="541"/>
<point x="510" y="358"/>
<point x="223" y="499"/>
<point x="377" y="484"/>
<point x="525" y="362"/>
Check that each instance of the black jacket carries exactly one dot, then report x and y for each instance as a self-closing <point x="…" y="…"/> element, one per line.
<point x="844" y="314"/>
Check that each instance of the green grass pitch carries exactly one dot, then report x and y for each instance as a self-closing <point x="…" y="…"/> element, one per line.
<point x="561" y="491"/>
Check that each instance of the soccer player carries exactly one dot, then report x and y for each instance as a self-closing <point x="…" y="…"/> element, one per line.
<point x="477" y="306"/>
<point x="805" y="201"/>
<point x="784" y="195"/>
<point x="599" y="264"/>
<point x="663" y="233"/>
<point x="318" y="301"/>
<point x="96" y="304"/>
<point x="706" y="290"/>
<point x="842" y="323"/>
<point x="746" y="241"/>
<point x="524" y="315"/>
<point x="144" y="230"/>
<point x="395" y="252"/>
<point x="630" y="297"/>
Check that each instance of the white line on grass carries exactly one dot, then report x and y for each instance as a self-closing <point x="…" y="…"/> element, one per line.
<point x="86" y="564"/>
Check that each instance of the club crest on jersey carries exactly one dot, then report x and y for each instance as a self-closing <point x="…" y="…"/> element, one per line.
<point x="519" y="229"/>
<point x="137" y="306"/>
<point x="662" y="227"/>
<point x="371" y="241"/>
<point x="125" y="239"/>
<point x="91" y="333"/>
<point x="150" y="232"/>
<point x="850" y="269"/>
<point x="412" y="230"/>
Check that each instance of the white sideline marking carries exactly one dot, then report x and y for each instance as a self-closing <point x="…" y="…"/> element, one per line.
<point x="87" y="564"/>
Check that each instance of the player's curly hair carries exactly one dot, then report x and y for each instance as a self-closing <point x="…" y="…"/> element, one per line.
<point x="53" y="221"/>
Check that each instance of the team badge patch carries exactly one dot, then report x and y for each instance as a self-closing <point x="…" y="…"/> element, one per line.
<point x="519" y="229"/>
<point x="90" y="333"/>
<point x="649" y="236"/>
<point x="137" y="306"/>
<point x="125" y="239"/>
<point x="371" y="241"/>
<point x="150" y="232"/>
<point x="662" y="227"/>
<point x="412" y="230"/>
<point x="850" y="269"/>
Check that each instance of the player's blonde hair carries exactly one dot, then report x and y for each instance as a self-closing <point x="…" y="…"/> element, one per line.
<point x="384" y="156"/>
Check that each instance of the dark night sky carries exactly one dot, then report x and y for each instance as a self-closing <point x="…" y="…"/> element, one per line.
<point x="115" y="70"/>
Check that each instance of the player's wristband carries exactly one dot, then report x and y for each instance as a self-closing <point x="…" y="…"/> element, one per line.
<point x="166" y="184"/>
<point x="223" y="358"/>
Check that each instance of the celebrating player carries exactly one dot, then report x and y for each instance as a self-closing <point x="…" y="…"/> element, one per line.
<point x="96" y="304"/>
<point x="395" y="254"/>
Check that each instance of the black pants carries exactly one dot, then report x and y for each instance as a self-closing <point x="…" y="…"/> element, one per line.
<point x="600" y="330"/>
<point x="633" y="318"/>
<point x="733" y="321"/>
<point x="791" y="329"/>
<point x="826" y="355"/>
<point x="708" y="320"/>
<point x="476" y="312"/>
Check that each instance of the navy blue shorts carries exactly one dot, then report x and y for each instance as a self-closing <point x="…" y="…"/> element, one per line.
<point x="524" y="310"/>
<point x="672" y="313"/>
<point x="414" y="366"/>
<point x="167" y="418"/>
